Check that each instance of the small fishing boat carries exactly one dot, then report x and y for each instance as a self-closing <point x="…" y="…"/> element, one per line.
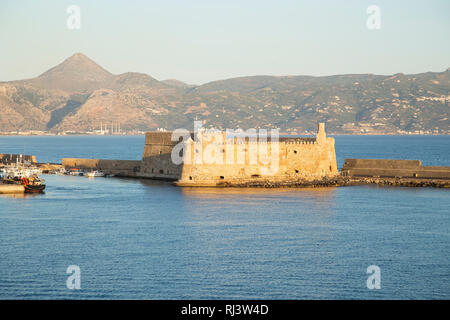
<point x="95" y="173"/>
<point x="33" y="184"/>
<point x="76" y="172"/>
<point x="62" y="172"/>
<point x="19" y="179"/>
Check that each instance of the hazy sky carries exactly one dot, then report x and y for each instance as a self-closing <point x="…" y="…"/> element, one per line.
<point x="197" y="41"/>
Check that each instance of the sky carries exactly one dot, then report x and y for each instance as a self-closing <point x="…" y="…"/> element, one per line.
<point x="198" y="41"/>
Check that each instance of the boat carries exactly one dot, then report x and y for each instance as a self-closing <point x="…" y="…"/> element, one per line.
<point x="95" y="173"/>
<point x="62" y="172"/>
<point x="21" y="177"/>
<point x="33" y="184"/>
<point x="75" y="172"/>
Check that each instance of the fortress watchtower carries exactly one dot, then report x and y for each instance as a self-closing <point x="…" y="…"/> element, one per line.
<point x="321" y="136"/>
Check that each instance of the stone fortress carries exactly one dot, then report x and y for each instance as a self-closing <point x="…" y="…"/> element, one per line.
<point x="217" y="159"/>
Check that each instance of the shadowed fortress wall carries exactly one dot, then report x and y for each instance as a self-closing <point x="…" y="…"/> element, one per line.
<point x="156" y="160"/>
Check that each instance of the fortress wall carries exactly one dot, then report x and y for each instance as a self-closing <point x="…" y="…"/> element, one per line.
<point x="124" y="168"/>
<point x="157" y="161"/>
<point x="309" y="160"/>
<point x="7" y="159"/>
<point x="160" y="167"/>
<point x="218" y="161"/>
<point x="297" y="159"/>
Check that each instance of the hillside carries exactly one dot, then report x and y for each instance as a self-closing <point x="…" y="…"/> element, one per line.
<point x="79" y="95"/>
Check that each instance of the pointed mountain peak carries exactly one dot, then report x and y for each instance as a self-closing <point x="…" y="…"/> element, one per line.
<point x="78" y="65"/>
<point x="78" y="55"/>
<point x="78" y="58"/>
<point x="76" y="73"/>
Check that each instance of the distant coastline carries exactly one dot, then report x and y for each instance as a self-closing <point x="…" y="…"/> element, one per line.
<point x="78" y="96"/>
<point x="141" y="133"/>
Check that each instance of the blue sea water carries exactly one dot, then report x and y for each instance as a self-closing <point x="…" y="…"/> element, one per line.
<point x="142" y="239"/>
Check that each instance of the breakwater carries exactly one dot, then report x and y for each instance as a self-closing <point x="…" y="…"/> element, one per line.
<point x="386" y="168"/>
<point x="120" y="168"/>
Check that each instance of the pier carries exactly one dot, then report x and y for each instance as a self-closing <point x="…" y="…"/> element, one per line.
<point x="11" y="188"/>
<point x="386" y="168"/>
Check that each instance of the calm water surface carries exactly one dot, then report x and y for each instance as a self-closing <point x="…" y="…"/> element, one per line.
<point x="141" y="239"/>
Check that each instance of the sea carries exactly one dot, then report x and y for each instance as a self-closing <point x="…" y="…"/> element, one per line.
<point x="145" y="239"/>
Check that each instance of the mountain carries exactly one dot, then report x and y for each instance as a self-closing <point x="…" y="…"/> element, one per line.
<point x="76" y="73"/>
<point x="79" y="95"/>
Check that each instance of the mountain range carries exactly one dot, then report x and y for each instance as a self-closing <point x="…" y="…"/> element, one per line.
<point x="78" y="95"/>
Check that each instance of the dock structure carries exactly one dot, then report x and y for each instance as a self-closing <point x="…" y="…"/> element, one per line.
<point x="11" y="188"/>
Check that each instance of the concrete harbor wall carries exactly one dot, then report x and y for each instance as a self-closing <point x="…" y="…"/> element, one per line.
<point x="393" y="169"/>
<point x="121" y="168"/>
<point x="11" y="188"/>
